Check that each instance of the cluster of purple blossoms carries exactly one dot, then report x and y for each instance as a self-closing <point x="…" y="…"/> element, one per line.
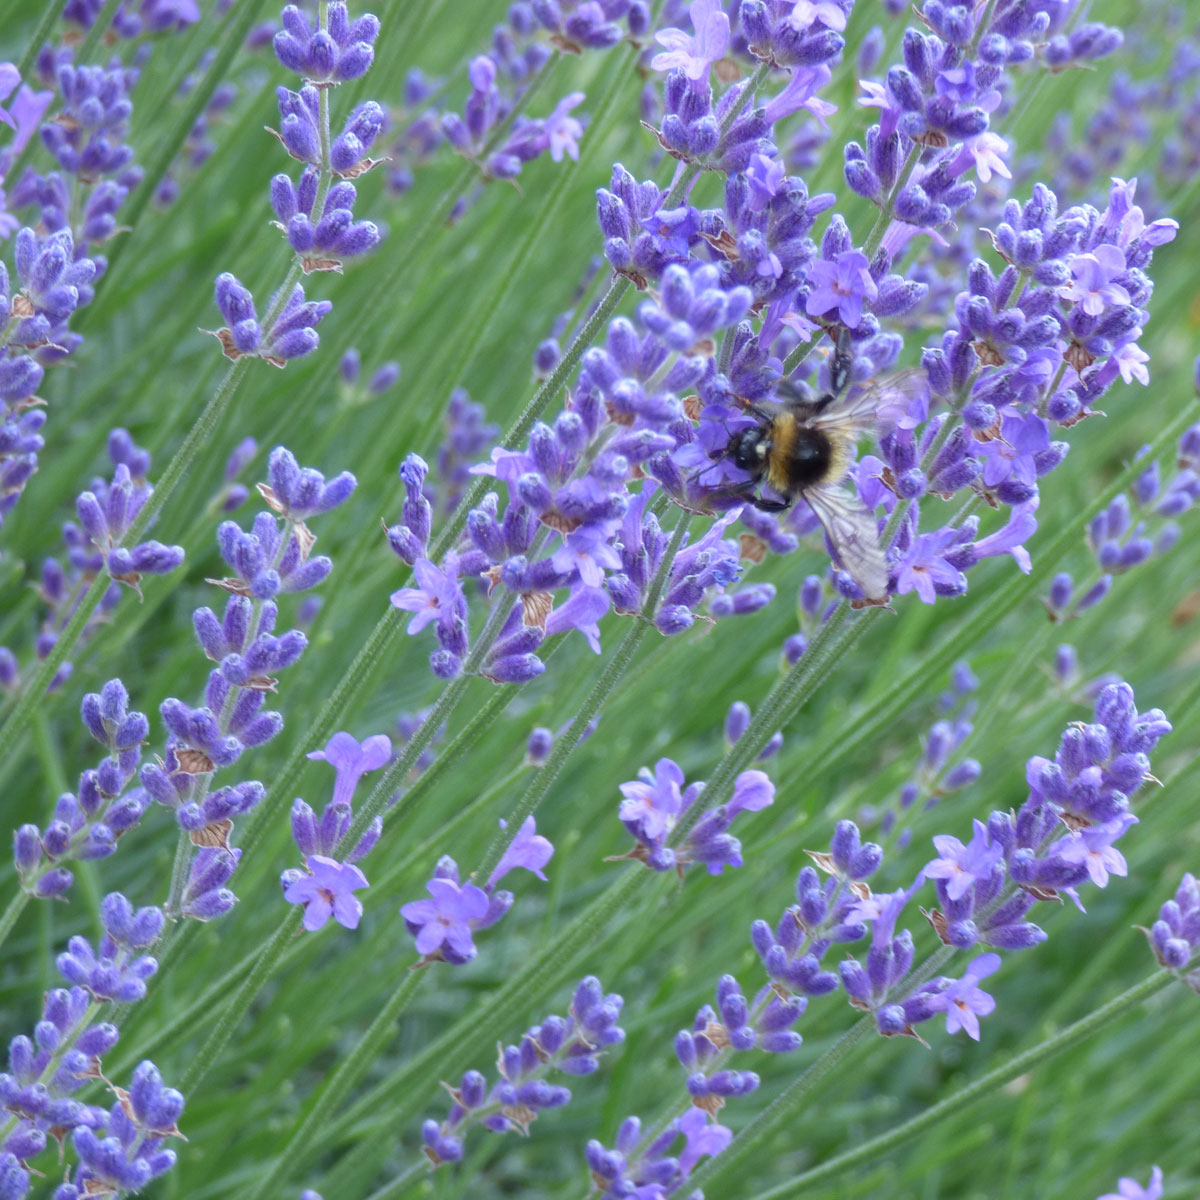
<point x="341" y="51"/>
<point x="791" y="954"/>
<point x="56" y="265"/>
<point x="93" y="553"/>
<point x="322" y="243"/>
<point x="86" y="138"/>
<point x="1033" y="346"/>
<point x="632" y="1168"/>
<point x="442" y="926"/>
<point x="1030" y="347"/>
<point x="89" y="823"/>
<point x="519" y="51"/>
<point x="327" y="885"/>
<point x="274" y="557"/>
<point x="1063" y="836"/>
<point x="291" y="333"/>
<point x="55" y="278"/>
<point x="316" y="213"/>
<point x="558" y="134"/>
<point x="1175" y="936"/>
<point x="657" y="800"/>
<point x="1136" y="527"/>
<point x="571" y="1045"/>
<point x="121" y="1148"/>
<point x="571" y="487"/>
<point x="1078" y="806"/>
<point x="133" y="19"/>
<point x="106" y="514"/>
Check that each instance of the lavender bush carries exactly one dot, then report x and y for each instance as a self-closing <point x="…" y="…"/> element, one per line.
<point x="416" y="436"/>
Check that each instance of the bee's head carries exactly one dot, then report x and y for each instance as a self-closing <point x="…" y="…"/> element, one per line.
<point x="748" y="449"/>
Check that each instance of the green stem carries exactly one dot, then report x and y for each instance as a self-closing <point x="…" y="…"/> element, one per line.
<point x="955" y="1104"/>
<point x="11" y="914"/>
<point x="888" y="208"/>
<point x="227" y="1022"/>
<point x="301" y="1146"/>
<point x="395" y="1187"/>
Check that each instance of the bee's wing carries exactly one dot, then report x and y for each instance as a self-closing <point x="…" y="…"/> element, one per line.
<point x="854" y="536"/>
<point x="880" y="401"/>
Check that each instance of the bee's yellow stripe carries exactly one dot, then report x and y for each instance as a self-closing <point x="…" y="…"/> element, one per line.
<point x="783" y="440"/>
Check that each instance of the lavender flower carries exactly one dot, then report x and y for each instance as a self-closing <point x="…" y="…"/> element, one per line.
<point x="62" y="583"/>
<point x="1061" y="836"/>
<point x="656" y="801"/>
<point x="1176" y="934"/>
<point x="88" y="824"/>
<point x="341" y="51"/>
<point x="694" y="54"/>
<point x="572" y="1045"/>
<point x="327" y="890"/>
<point x="274" y="557"/>
<point x="442" y="926"/>
<point x="292" y="333"/>
<point x="120" y="1148"/>
<point x="352" y="760"/>
<point x="964" y="1002"/>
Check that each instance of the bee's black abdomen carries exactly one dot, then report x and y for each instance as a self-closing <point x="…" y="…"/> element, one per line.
<point x="800" y="457"/>
<point x="811" y="457"/>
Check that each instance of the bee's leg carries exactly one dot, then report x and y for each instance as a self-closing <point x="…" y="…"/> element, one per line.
<point x="769" y="506"/>
<point x="843" y="361"/>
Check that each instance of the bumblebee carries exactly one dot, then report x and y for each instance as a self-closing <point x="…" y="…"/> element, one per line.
<point x="803" y="451"/>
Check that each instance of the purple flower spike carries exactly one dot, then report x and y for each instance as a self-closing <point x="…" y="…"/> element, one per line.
<point x="342" y="50"/>
<point x="300" y="493"/>
<point x="352" y="760"/>
<point x="328" y="891"/>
